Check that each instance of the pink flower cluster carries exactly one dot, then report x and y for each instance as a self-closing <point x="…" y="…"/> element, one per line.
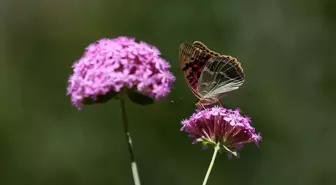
<point x="220" y="125"/>
<point x="112" y="64"/>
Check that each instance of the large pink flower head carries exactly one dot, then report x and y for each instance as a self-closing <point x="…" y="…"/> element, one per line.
<point x="220" y="126"/>
<point x="110" y="65"/>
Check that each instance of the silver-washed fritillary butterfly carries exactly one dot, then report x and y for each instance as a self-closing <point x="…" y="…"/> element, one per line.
<point x="209" y="75"/>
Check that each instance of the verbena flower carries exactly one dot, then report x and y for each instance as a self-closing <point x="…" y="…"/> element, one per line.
<point x="220" y="126"/>
<point x="109" y="65"/>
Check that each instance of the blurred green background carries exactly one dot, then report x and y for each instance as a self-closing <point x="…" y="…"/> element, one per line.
<point x="287" y="50"/>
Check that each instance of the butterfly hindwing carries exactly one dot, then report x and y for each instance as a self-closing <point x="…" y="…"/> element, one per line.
<point x="220" y="75"/>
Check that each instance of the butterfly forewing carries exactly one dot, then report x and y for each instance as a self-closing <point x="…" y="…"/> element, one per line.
<point x="204" y="48"/>
<point x="192" y="61"/>
<point x="219" y="76"/>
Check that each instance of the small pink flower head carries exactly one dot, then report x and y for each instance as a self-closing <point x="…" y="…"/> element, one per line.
<point x="218" y="125"/>
<point x="109" y="65"/>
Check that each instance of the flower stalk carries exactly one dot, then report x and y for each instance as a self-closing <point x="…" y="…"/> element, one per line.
<point x="134" y="167"/>
<point x="211" y="164"/>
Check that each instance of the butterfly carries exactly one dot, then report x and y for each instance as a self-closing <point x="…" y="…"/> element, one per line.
<point x="209" y="75"/>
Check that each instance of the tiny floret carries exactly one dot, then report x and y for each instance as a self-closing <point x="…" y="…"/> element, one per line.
<point x="109" y="65"/>
<point x="223" y="127"/>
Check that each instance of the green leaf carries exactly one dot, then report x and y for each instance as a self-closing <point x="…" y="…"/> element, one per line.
<point x="101" y="99"/>
<point x="139" y="98"/>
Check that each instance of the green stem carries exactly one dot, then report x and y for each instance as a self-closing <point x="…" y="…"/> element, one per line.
<point x="211" y="164"/>
<point x="134" y="167"/>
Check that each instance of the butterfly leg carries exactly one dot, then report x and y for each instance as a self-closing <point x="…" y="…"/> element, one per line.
<point x="200" y="105"/>
<point x="220" y="103"/>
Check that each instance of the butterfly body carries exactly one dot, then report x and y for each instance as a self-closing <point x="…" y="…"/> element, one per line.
<point x="208" y="74"/>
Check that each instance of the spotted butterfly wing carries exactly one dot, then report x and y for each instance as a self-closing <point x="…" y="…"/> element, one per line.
<point x="205" y="49"/>
<point x="192" y="61"/>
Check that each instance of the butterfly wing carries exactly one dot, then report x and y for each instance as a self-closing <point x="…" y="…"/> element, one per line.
<point x="220" y="75"/>
<point x="192" y="62"/>
<point x="204" y="48"/>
